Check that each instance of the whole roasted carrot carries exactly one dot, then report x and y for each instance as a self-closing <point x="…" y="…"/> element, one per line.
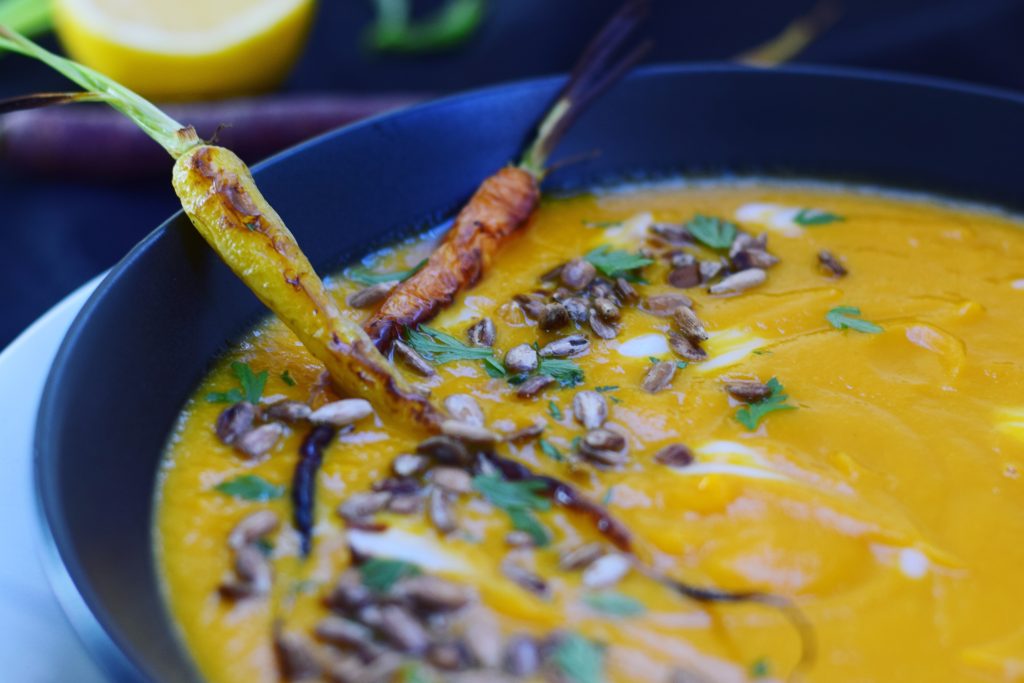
<point x="219" y="195"/>
<point x="506" y="200"/>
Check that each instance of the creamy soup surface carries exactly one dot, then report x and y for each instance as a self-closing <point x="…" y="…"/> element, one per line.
<point x="879" y="488"/>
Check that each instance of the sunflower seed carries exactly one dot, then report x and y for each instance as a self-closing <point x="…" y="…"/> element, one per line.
<point x="625" y="291"/>
<point x="412" y="359"/>
<point x="297" y="657"/>
<point x="403" y="630"/>
<point x="754" y="258"/>
<point x="689" y="325"/>
<point x="341" y="413"/>
<point x="287" y="411"/>
<point x="371" y="296"/>
<point x="349" y="635"/>
<point x="685" y="277"/>
<point x="407" y="464"/>
<point x="447" y="656"/>
<point x="482" y="333"/>
<point x="604" y="447"/>
<point x="831" y="264"/>
<point x="445" y="450"/>
<point x="672" y="233"/>
<point x="521" y="358"/>
<point x="452" y="479"/>
<point x="405" y="504"/>
<point x="681" y="259"/>
<point x="555" y="316"/>
<point x="678" y="675"/>
<point x="235" y="421"/>
<point x="522" y="656"/>
<point x="534" y="385"/>
<point x="659" y="377"/>
<point x="740" y="282"/>
<point x="434" y="594"/>
<point x="664" y="305"/>
<point x="709" y="270"/>
<point x="566" y="347"/>
<point x="362" y="505"/>
<point x="601" y="328"/>
<point x="686" y="348"/>
<point x="441" y="512"/>
<point x="482" y="634"/>
<point x="748" y="391"/>
<point x="577" y="274"/>
<point x="607" y="309"/>
<point x="601" y="288"/>
<point x="524" y="578"/>
<point x="253" y="569"/>
<point x="349" y="594"/>
<point x="674" y="455"/>
<point x="257" y="442"/>
<point x="577" y="309"/>
<point x="518" y="539"/>
<point x="533" y="305"/>
<point x="580" y="557"/>
<point x="745" y="241"/>
<point x="527" y="433"/>
<point x="468" y="433"/>
<point x="590" y="409"/>
<point x="252" y="528"/>
<point x="606" y="571"/>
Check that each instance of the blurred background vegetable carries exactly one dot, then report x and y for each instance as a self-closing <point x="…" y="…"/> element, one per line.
<point x="58" y="197"/>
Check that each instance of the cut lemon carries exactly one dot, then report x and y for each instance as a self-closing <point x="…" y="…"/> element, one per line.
<point x="186" y="49"/>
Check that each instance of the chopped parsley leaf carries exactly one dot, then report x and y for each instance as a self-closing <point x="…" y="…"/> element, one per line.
<point x="750" y="416"/>
<point x="580" y="659"/>
<point x="555" y="411"/>
<point x="617" y="263"/>
<point x="813" y="217"/>
<point x="566" y="372"/>
<point x="287" y="378"/>
<point x="519" y="499"/>
<point x="250" y="487"/>
<point x="551" y="450"/>
<point x="379" y="574"/>
<point x="439" y="348"/>
<point x="614" y="604"/>
<point x="716" y="233"/>
<point x="252" y="386"/>
<point x="761" y="668"/>
<point x="606" y="387"/>
<point x="848" y="318"/>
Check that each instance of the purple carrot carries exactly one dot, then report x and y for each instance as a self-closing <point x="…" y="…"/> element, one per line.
<point x="311" y="456"/>
<point x="96" y="141"/>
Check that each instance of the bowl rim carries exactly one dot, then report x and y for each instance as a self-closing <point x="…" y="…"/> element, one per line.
<point x="81" y="606"/>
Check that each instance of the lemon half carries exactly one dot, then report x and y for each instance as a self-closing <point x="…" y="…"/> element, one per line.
<point x="186" y="49"/>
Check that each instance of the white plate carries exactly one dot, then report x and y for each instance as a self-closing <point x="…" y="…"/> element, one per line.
<point x="37" y="644"/>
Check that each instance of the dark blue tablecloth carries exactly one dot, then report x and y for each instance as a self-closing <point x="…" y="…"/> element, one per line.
<point x="58" y="233"/>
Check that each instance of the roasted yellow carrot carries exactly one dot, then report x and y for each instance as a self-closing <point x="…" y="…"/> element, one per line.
<point x="219" y="196"/>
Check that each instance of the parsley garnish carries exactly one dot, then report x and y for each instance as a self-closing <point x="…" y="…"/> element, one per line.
<point x="615" y="604"/>
<point x="555" y="411"/>
<point x="761" y="352"/>
<point x="440" y="348"/>
<point x="380" y="574"/>
<point x="518" y="499"/>
<point x="715" y="233"/>
<point x="580" y="659"/>
<point x="750" y="416"/>
<point x="566" y="372"/>
<point x="250" y="487"/>
<point x="812" y="217"/>
<point x="761" y="668"/>
<point x="607" y="498"/>
<point x="551" y="450"/>
<point x="252" y="386"/>
<point x="606" y="387"/>
<point x="287" y="378"/>
<point x="414" y="672"/>
<point x="265" y="547"/>
<point x="617" y="263"/>
<point x="845" y="318"/>
<point x="365" y="276"/>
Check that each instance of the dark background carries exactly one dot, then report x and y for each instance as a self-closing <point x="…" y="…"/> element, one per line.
<point x="57" y="233"/>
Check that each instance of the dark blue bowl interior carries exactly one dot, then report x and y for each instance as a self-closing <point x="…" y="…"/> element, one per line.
<point x="150" y="332"/>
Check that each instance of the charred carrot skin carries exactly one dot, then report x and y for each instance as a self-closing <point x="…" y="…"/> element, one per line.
<point x="500" y="206"/>
<point x="218" y="194"/>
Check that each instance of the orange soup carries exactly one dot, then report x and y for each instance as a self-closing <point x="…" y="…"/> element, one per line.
<point x="794" y="414"/>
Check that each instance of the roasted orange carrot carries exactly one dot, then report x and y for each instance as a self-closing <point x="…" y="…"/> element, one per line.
<point x="506" y="200"/>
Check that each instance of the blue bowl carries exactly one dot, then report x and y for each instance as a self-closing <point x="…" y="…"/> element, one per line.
<point x="149" y="333"/>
